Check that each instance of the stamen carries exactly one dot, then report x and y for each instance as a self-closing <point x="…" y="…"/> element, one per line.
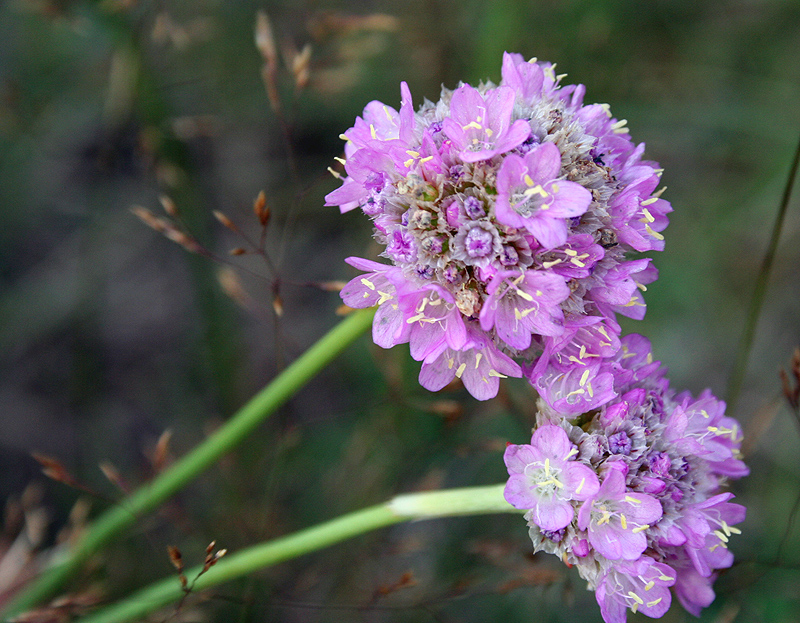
<point x="461" y="369"/>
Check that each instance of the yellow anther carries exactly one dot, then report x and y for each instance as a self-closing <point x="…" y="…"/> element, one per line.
<point x="712" y="429"/>
<point x="412" y="153"/>
<point x="649" y="585"/>
<point x="551" y="264"/>
<point x="655" y="602"/>
<point x="494" y="372"/>
<point x="554" y="188"/>
<point x="334" y="173"/>
<point x="641" y="528"/>
<point x="602" y="331"/>
<point x="721" y="535"/>
<point x="636" y="598"/>
<point x="344" y="138"/>
<point x="408" y="163"/>
<point x="547" y="466"/>
<point x="661" y="190"/>
<point x="524" y="295"/>
<point x="665" y="578"/>
<point x="388" y="116"/>
<point x="416" y="318"/>
<point x="366" y="295"/>
<point x="571" y="453"/>
<point x="472" y="124"/>
<point x="654" y="234"/>
<point x="580" y="486"/>
<point x="424" y="160"/>
<point x="478" y="358"/>
<point x="450" y="363"/>
<point x="341" y="161"/>
<point x="372" y="132"/>
<point x="648" y="202"/>
<point x="632" y="500"/>
<point x="576" y="392"/>
<point x="574" y="359"/>
<point x="590" y="389"/>
<point x="623" y="521"/>
<point x="489" y="132"/>
<point x="385" y="296"/>
<point x="519" y="315"/>
<point x="584" y="377"/>
<point x="368" y="283"/>
<point x="649" y="218"/>
<point x="461" y="369"/>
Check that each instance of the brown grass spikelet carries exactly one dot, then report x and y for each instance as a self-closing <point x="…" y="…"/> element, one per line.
<point x="330" y="286"/>
<point x="149" y="219"/>
<point x="265" y="43"/>
<point x="222" y="218"/>
<point x="176" y="559"/>
<point x="53" y="469"/>
<point x="277" y="304"/>
<point x="300" y="65"/>
<point x="169" y="206"/>
<point x="407" y="580"/>
<point x="344" y="310"/>
<point x="261" y="209"/>
<point x="113" y="476"/>
<point x="791" y="386"/>
<point x="232" y="286"/>
<point x="160" y="456"/>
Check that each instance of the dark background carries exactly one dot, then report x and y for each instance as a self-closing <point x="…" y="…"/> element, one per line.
<point x="110" y="334"/>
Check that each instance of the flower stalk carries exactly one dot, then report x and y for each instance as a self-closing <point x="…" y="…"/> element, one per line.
<point x="117" y="519"/>
<point x="427" y="505"/>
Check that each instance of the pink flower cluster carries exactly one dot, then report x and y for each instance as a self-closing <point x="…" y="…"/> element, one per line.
<point x="507" y="213"/>
<point x="630" y="493"/>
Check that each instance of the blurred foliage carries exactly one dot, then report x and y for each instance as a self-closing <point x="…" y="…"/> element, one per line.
<point x="109" y="334"/>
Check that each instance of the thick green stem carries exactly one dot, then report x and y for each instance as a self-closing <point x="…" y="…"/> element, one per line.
<point x="468" y="501"/>
<point x="108" y="526"/>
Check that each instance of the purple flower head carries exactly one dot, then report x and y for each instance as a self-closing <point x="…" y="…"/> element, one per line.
<point x="494" y="194"/>
<point x="544" y="478"/>
<point x="658" y="517"/>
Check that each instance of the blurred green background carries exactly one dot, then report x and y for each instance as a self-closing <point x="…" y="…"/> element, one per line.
<point x="110" y="334"/>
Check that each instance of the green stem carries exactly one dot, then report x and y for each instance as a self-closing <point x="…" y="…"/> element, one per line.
<point x="760" y="291"/>
<point x="468" y="501"/>
<point x="109" y="525"/>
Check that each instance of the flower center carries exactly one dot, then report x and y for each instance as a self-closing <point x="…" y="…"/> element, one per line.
<point x="478" y="242"/>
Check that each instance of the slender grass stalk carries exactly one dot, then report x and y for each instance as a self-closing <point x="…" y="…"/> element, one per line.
<point x="111" y="524"/>
<point x="467" y="501"/>
<point x="760" y="291"/>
